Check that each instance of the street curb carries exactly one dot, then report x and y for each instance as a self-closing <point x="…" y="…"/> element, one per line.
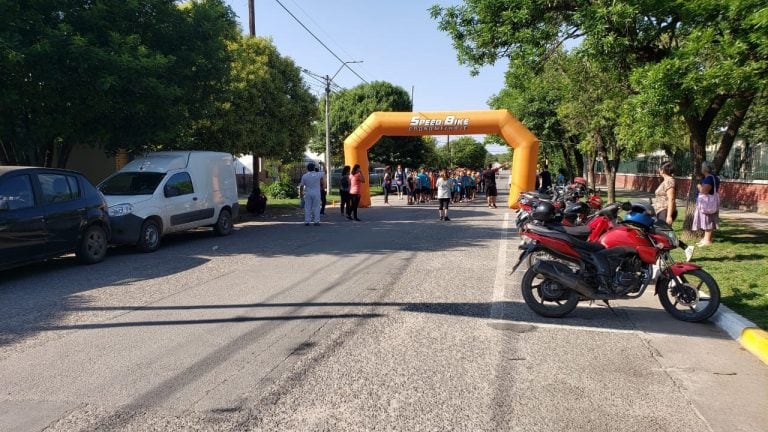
<point x="752" y="338"/>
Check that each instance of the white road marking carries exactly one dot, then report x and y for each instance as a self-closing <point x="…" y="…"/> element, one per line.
<point x="497" y="309"/>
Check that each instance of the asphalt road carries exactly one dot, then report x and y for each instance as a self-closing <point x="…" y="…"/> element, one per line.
<point x="400" y="322"/>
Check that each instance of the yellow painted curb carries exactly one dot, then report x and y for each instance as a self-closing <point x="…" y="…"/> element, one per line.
<point x="755" y="341"/>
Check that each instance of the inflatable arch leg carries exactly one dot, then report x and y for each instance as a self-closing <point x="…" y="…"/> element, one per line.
<point x="499" y="122"/>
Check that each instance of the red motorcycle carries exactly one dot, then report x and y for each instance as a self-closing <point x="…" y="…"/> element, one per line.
<point x="619" y="265"/>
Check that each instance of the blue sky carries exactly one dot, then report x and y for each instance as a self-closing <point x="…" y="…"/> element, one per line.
<point x="396" y="40"/>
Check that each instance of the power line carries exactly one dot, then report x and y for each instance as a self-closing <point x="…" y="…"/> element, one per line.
<point x="344" y="64"/>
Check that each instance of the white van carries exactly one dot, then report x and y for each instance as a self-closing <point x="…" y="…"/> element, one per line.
<point x="172" y="191"/>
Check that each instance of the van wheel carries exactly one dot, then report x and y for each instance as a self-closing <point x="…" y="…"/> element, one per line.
<point x="93" y="245"/>
<point x="224" y="223"/>
<point x="149" y="238"/>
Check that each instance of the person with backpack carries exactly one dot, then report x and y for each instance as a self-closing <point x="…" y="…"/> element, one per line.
<point x="400" y="181"/>
<point x="411" y="187"/>
<point x="356" y="181"/>
<point x="346" y="200"/>
<point x="707" y="218"/>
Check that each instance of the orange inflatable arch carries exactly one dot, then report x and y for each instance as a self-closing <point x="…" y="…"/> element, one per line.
<point x="499" y="122"/>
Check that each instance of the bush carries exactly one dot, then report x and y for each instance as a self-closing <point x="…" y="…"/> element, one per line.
<point x="281" y="189"/>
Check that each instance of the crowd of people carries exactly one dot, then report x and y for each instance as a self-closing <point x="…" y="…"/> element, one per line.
<point x="461" y="185"/>
<point x="416" y="186"/>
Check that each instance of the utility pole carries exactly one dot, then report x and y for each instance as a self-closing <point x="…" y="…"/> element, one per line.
<point x="328" y="81"/>
<point x="251" y="19"/>
<point x="252" y="33"/>
<point x="328" y="133"/>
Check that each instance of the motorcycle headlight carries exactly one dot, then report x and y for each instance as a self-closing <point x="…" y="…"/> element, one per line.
<point x="672" y="238"/>
<point x="120" y="210"/>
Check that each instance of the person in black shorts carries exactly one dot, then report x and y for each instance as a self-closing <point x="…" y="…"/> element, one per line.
<point x="489" y="177"/>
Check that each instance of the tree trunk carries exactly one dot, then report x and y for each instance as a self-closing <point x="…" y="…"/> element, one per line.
<point x="729" y="136"/>
<point x="698" y="127"/>
<point x="698" y="145"/>
<point x="568" y="159"/>
<point x="591" y="169"/>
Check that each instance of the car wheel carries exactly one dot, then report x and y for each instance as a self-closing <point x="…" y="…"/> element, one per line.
<point x="93" y="245"/>
<point x="224" y="223"/>
<point x="149" y="238"/>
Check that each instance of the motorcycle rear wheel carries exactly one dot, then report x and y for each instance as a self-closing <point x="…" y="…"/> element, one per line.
<point x="546" y="297"/>
<point x="696" y="300"/>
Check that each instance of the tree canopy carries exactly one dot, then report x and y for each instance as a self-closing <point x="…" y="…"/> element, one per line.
<point x="267" y="109"/>
<point x="143" y="75"/>
<point x="465" y="152"/>
<point x="349" y="108"/>
<point x="116" y="74"/>
<point x="686" y="65"/>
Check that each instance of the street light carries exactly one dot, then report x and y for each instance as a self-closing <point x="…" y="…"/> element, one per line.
<point x="328" y="81"/>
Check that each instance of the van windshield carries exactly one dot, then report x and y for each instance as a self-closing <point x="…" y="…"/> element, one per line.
<point x="131" y="183"/>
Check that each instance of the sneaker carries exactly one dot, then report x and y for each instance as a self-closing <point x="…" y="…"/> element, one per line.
<point x="446" y="218"/>
<point x="317" y="223"/>
<point x="357" y="220"/>
<point x="441" y="218"/>
<point x="306" y="223"/>
<point x="688" y="253"/>
<point x="703" y="243"/>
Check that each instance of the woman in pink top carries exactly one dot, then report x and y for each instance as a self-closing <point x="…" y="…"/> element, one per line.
<point x="356" y="179"/>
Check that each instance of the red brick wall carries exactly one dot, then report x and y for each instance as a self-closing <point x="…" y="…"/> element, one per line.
<point x="751" y="196"/>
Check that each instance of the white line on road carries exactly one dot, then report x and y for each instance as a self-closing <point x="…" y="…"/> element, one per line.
<point x="497" y="309"/>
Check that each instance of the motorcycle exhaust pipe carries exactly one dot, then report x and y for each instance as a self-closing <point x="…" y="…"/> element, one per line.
<point x="563" y="275"/>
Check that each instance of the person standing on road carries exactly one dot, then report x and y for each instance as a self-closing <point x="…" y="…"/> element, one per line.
<point x="545" y="180"/>
<point x="386" y="183"/>
<point x="346" y="201"/>
<point x="323" y="195"/>
<point x="310" y="189"/>
<point x="400" y="181"/>
<point x="664" y="202"/>
<point x="356" y="180"/>
<point x="702" y="219"/>
<point x="444" y="190"/>
<point x="410" y="187"/>
<point x="489" y="177"/>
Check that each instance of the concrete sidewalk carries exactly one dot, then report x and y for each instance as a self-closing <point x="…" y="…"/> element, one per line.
<point x="747" y="333"/>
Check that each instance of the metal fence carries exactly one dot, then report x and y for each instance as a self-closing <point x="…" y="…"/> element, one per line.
<point x="750" y="163"/>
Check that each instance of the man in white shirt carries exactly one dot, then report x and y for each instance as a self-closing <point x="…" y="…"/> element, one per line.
<point x="310" y="190"/>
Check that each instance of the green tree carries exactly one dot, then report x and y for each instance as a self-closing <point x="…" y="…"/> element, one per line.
<point x="683" y="59"/>
<point x="349" y="108"/>
<point x="268" y="110"/>
<point x="590" y="107"/>
<point x="129" y="75"/>
<point x="533" y="97"/>
<point x="465" y="152"/>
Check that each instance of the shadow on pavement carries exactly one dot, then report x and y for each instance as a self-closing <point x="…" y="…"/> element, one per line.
<point x="622" y="317"/>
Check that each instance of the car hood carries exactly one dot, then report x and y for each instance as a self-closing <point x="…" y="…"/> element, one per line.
<point x="126" y="199"/>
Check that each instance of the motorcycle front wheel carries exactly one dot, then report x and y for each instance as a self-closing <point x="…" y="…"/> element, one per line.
<point x="547" y="297"/>
<point x="695" y="300"/>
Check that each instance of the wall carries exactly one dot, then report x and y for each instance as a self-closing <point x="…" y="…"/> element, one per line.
<point x="92" y="162"/>
<point x="750" y="196"/>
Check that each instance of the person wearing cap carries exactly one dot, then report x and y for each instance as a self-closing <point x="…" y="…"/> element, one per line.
<point x="310" y="188"/>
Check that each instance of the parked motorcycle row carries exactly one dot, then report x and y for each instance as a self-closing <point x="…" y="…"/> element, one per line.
<point x="578" y="250"/>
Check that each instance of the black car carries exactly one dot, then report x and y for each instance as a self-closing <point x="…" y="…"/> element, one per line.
<point x="47" y="212"/>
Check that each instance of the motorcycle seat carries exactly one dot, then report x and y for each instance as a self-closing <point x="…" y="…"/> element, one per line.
<point x="581" y="232"/>
<point x="538" y="195"/>
<point x="579" y="244"/>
